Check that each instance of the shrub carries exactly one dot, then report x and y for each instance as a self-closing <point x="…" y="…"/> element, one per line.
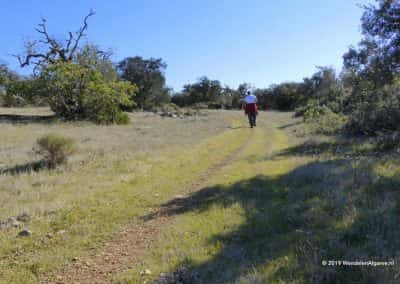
<point x="171" y="107"/>
<point x="378" y="113"/>
<point x="55" y="149"/>
<point x="10" y="100"/>
<point x="313" y="110"/>
<point x="23" y="92"/>
<point x="200" y="106"/>
<point x="387" y="142"/>
<point x="323" y="119"/>
<point x="81" y="92"/>
<point x="101" y="102"/>
<point x="330" y="122"/>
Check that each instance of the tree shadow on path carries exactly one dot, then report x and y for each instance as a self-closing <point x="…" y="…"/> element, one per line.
<point x="25" y="119"/>
<point x="328" y="210"/>
<point x="24" y="168"/>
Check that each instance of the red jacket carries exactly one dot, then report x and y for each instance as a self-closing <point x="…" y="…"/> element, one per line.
<point x="250" y="108"/>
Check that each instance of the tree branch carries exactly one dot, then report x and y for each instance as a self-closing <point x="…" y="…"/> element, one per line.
<point x="80" y="34"/>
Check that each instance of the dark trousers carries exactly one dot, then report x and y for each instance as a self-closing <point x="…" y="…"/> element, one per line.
<point x="252" y="119"/>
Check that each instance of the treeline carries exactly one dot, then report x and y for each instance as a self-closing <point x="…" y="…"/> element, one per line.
<point x="363" y="99"/>
<point x="285" y="96"/>
<point x="83" y="83"/>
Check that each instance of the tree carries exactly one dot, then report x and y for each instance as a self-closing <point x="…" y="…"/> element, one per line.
<point x="148" y="76"/>
<point x="243" y="88"/>
<point x="48" y="50"/>
<point x="75" y="92"/>
<point x="6" y="75"/>
<point x="286" y="95"/>
<point x="371" y="70"/>
<point x="377" y="58"/>
<point x="91" y="56"/>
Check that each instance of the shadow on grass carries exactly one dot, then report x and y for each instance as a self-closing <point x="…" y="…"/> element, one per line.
<point x="320" y="211"/>
<point x="24" y="119"/>
<point x="342" y="148"/>
<point x="25" y="168"/>
<point x="290" y="125"/>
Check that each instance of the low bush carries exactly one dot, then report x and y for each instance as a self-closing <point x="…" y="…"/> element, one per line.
<point x="330" y="123"/>
<point x="171" y="107"/>
<point x="78" y="92"/>
<point x="101" y="102"/>
<point x="312" y="111"/>
<point x="379" y="113"/>
<point x="323" y="119"/>
<point x="55" y="149"/>
<point x="200" y="106"/>
<point x="24" y="92"/>
<point x="388" y="142"/>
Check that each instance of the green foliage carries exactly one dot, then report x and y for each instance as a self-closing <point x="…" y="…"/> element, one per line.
<point x="7" y="80"/>
<point x="285" y="96"/>
<point x="388" y="141"/>
<point x="171" y="107"/>
<point x="371" y="72"/>
<point x="379" y="113"/>
<point x="55" y="149"/>
<point x="92" y="56"/>
<point x="199" y="106"/>
<point x="148" y="76"/>
<point x="377" y="57"/>
<point x="102" y="101"/>
<point x="322" y="118"/>
<point x="330" y="122"/>
<point x="23" y="92"/>
<point x="77" y="92"/>
<point x="312" y="110"/>
<point x="206" y="93"/>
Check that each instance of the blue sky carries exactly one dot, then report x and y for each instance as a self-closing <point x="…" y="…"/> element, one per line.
<point x="234" y="41"/>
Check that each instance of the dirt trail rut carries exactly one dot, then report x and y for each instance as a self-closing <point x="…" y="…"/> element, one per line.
<point x="127" y="247"/>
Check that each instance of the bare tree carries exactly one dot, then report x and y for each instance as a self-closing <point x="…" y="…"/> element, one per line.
<point x="48" y="50"/>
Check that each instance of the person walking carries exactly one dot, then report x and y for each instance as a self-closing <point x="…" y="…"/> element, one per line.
<point x="250" y="108"/>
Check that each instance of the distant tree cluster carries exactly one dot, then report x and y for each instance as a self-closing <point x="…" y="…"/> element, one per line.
<point x="81" y="82"/>
<point x="367" y="92"/>
<point x="287" y="96"/>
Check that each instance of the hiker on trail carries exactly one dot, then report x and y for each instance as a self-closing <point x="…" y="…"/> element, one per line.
<point x="250" y="108"/>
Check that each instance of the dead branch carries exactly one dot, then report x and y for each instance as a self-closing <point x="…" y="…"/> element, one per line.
<point x="55" y="51"/>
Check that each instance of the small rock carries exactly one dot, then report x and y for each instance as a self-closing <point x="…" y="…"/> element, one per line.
<point x="24" y="233"/>
<point x="49" y="236"/>
<point x="75" y="259"/>
<point x="179" y="196"/>
<point x="14" y="223"/>
<point x="59" y="280"/>
<point x="145" y="272"/>
<point x="61" y="232"/>
<point x="24" y="217"/>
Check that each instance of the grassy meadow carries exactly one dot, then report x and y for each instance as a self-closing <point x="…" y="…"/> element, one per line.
<point x="272" y="204"/>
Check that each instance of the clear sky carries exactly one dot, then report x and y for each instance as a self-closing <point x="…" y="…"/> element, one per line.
<point x="234" y="41"/>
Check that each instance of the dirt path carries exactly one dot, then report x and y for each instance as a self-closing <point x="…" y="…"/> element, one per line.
<point x="128" y="246"/>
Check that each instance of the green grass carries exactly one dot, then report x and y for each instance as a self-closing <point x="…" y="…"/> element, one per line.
<point x="272" y="218"/>
<point x="89" y="215"/>
<point x="286" y="202"/>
